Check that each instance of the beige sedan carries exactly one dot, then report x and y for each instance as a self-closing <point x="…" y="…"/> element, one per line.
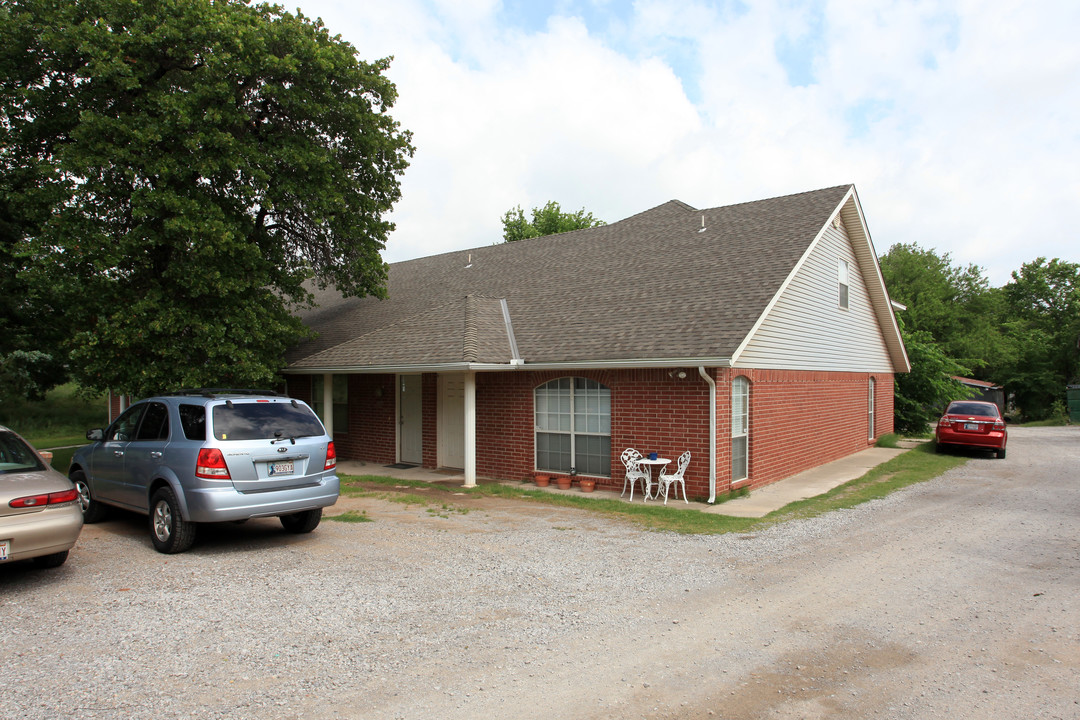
<point x="40" y="518"/>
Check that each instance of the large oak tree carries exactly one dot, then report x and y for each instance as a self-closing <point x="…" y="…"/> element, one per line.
<point x="173" y="173"/>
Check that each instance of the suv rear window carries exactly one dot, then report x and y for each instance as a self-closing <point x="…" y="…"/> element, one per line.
<point x="264" y="421"/>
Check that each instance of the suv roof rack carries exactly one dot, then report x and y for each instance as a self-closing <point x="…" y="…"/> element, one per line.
<point x="215" y="392"/>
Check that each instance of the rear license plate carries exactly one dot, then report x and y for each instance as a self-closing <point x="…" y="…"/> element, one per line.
<point x="5" y="549"/>
<point x="281" y="468"/>
<point x="971" y="426"/>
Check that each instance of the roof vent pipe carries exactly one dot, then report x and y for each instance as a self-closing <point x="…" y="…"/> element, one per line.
<point x="702" y="228"/>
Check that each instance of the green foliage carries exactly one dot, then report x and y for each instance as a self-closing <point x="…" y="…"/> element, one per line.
<point x="954" y="305"/>
<point x="921" y="395"/>
<point x="61" y="418"/>
<point x="19" y="378"/>
<point x="888" y="440"/>
<point x="1043" y="299"/>
<point x="174" y="173"/>
<point x="349" y="516"/>
<point x="547" y="220"/>
<point x="1024" y="336"/>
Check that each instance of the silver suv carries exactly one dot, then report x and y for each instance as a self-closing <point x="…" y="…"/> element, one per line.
<point x="201" y="456"/>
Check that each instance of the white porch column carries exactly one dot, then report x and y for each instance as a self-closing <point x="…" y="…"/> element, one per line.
<point x="328" y="403"/>
<point x="470" y="429"/>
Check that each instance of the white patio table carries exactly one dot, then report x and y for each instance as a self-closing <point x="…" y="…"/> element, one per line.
<point x="647" y="465"/>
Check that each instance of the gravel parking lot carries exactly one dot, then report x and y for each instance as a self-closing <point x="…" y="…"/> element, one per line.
<point x="954" y="599"/>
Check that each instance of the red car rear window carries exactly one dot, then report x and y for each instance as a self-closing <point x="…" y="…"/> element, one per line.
<point x="973" y="408"/>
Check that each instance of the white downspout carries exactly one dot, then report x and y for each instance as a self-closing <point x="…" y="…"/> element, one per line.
<point x="328" y="403"/>
<point x="470" y="429"/>
<point x="712" y="432"/>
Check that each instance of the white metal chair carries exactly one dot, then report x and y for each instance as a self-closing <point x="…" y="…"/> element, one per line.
<point x="634" y="473"/>
<point x="665" y="481"/>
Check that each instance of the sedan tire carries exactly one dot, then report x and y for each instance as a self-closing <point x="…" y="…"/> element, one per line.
<point x="169" y="531"/>
<point x="51" y="561"/>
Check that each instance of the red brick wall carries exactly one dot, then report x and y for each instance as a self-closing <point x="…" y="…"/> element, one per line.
<point x="798" y="420"/>
<point x="372" y="431"/>
<point x="429" y="397"/>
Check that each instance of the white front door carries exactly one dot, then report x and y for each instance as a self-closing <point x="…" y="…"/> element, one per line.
<point x="410" y="420"/>
<point x="452" y="421"/>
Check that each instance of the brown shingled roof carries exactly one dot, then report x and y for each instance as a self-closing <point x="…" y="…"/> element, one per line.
<point x="647" y="288"/>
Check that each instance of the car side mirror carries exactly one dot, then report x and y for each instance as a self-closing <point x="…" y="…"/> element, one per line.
<point x="95" y="435"/>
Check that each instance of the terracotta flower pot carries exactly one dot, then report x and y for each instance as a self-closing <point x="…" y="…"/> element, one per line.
<point x="564" y="482"/>
<point x="542" y="480"/>
<point x="587" y="484"/>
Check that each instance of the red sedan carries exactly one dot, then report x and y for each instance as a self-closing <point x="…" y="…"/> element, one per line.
<point x="972" y="424"/>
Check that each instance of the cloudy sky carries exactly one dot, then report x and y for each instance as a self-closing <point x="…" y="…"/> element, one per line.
<point x="956" y="120"/>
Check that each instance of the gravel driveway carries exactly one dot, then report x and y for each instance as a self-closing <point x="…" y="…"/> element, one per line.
<point x="954" y="599"/>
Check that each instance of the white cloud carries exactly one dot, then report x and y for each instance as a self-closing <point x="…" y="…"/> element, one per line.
<point x="955" y="120"/>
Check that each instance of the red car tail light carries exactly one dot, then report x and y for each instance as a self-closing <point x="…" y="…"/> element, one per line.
<point x="64" y="496"/>
<point x="331" y="456"/>
<point x="211" y="465"/>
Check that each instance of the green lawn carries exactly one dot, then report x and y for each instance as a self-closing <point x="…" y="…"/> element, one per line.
<point x="914" y="466"/>
<point x="57" y="423"/>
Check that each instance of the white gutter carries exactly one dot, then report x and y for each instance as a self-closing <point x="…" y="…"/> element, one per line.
<point x="712" y="432"/>
<point x="513" y="364"/>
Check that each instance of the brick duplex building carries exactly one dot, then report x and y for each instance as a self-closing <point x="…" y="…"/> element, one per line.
<point x="758" y="336"/>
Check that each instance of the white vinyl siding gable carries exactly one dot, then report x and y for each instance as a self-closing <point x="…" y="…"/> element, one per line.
<point x="807" y="330"/>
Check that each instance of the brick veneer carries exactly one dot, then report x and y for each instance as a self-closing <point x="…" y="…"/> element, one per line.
<point x="798" y="420"/>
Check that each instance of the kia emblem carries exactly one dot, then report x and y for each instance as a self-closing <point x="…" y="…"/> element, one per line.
<point x="283" y="449"/>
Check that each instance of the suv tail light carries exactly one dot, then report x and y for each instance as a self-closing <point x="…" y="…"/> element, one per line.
<point x="331" y="456"/>
<point x="211" y="465"/>
<point x="64" y="496"/>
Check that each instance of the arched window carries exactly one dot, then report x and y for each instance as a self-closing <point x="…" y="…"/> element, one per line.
<point x="573" y="427"/>
<point x="870" y="406"/>
<point x="740" y="429"/>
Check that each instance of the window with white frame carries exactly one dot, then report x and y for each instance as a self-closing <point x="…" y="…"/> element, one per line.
<point x="573" y="426"/>
<point x="740" y="428"/>
<point x="870" y="407"/>
<point x="340" y="397"/>
<point x="842" y="274"/>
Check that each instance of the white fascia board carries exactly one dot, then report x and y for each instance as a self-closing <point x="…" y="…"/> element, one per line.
<point x="644" y="364"/>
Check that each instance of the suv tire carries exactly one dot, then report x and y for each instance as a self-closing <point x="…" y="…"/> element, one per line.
<point x="301" y="522"/>
<point x="92" y="510"/>
<point x="169" y="532"/>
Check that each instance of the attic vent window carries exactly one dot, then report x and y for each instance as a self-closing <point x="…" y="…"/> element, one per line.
<point x="842" y="274"/>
